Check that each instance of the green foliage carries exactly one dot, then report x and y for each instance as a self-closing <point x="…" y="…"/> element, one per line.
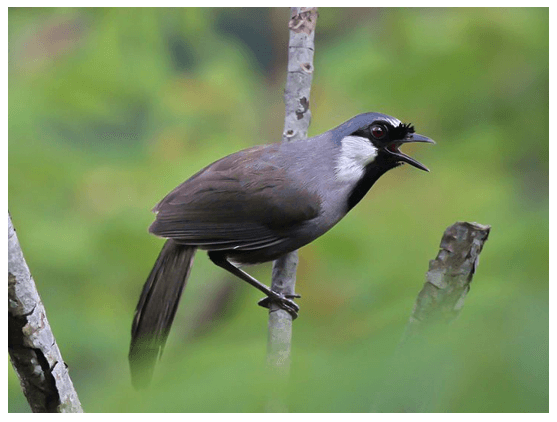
<point x="109" y="109"/>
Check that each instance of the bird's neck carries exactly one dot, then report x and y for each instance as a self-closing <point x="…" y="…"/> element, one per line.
<point x="373" y="172"/>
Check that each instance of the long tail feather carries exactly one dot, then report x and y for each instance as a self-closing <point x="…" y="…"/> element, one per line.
<point x="156" y="309"/>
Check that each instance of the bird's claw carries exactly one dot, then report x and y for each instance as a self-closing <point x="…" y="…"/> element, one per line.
<point x="284" y="302"/>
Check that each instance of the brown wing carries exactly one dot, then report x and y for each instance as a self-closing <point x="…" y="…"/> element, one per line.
<point x="243" y="201"/>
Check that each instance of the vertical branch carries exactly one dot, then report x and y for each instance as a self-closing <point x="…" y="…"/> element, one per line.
<point x="33" y="350"/>
<point x="300" y="73"/>
<point x="296" y="123"/>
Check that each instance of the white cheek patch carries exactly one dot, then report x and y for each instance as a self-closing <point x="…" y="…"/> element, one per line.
<point x="355" y="153"/>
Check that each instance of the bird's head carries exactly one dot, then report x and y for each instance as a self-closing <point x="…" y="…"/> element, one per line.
<point x="374" y="140"/>
<point x="369" y="146"/>
<point x="388" y="135"/>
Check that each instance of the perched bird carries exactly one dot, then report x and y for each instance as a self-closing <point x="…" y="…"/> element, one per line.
<point x="256" y="205"/>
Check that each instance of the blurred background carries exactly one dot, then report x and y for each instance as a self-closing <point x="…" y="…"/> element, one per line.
<point x="110" y="109"/>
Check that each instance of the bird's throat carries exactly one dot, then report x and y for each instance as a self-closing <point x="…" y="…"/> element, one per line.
<point x="372" y="173"/>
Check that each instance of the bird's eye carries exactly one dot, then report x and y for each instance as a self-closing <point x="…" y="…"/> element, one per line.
<point x="378" y="132"/>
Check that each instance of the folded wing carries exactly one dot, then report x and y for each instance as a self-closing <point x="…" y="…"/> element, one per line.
<point x="244" y="201"/>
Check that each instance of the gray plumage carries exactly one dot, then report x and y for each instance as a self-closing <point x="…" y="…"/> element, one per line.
<point x="256" y="205"/>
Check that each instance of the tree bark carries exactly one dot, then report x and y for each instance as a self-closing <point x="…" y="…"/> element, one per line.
<point x="34" y="354"/>
<point x="449" y="277"/>
<point x="296" y="123"/>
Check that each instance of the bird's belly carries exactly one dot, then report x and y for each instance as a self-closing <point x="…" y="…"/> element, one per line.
<point x="293" y="238"/>
<point x="296" y="239"/>
<point x="261" y="255"/>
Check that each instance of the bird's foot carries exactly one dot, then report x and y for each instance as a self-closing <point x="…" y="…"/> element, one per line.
<point x="283" y="301"/>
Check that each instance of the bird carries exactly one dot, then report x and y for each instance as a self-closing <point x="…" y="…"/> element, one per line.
<point x="256" y="205"/>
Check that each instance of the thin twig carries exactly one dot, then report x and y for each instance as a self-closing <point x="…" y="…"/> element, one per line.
<point x="34" y="354"/>
<point x="296" y="123"/>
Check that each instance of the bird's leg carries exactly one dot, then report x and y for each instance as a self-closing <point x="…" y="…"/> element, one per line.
<point x="284" y="301"/>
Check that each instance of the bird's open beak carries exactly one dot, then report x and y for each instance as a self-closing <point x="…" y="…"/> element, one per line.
<point x="411" y="137"/>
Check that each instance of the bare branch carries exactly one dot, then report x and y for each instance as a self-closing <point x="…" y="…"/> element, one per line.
<point x="449" y="276"/>
<point x="296" y="123"/>
<point x="32" y="347"/>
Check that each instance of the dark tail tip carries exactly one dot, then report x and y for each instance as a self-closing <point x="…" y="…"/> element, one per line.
<point x="142" y="360"/>
<point x="156" y="309"/>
